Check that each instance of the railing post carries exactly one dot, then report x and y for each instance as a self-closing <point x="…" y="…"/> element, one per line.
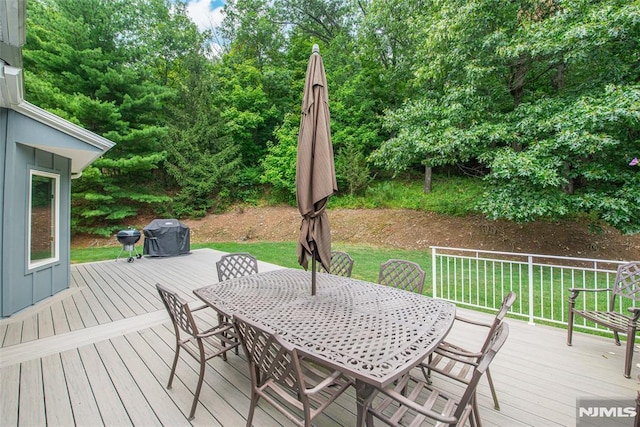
<point x="433" y="273"/>
<point x="531" y="305"/>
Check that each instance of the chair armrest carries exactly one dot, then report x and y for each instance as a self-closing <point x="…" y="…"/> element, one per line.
<point x="452" y="351"/>
<point x="200" y="307"/>
<point x="418" y="408"/>
<point x="324" y="383"/>
<point x="214" y="331"/>
<point x="576" y="291"/>
<point x="635" y="311"/>
<point x="472" y="322"/>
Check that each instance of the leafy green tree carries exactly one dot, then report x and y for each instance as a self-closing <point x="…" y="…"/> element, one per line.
<point x="83" y="62"/>
<point x="202" y="158"/>
<point x="543" y="96"/>
<point x="280" y="161"/>
<point x="255" y="84"/>
<point x="354" y="121"/>
<point x="321" y="20"/>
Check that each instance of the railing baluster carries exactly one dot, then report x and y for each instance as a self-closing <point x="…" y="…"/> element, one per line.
<point x="453" y="279"/>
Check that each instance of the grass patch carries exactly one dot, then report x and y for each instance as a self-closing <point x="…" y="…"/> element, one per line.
<point x="98" y="254"/>
<point x="367" y="258"/>
<point x="449" y="195"/>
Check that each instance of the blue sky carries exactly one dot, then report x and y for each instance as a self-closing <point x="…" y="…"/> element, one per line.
<point x="206" y="14"/>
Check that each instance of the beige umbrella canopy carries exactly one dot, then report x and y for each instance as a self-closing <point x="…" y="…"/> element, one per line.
<point x="315" y="171"/>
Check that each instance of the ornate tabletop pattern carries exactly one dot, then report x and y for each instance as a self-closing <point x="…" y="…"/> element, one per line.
<point x="370" y="331"/>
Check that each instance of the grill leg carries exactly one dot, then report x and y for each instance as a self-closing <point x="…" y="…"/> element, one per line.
<point x="120" y="253"/>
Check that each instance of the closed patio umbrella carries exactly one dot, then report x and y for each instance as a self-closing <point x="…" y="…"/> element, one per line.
<point x="315" y="171"/>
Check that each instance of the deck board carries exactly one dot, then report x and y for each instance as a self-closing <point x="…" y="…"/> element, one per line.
<point x="31" y="395"/>
<point x="149" y="386"/>
<point x="58" y="406"/>
<point x="113" y="294"/>
<point x="13" y="335"/>
<point x="135" y="293"/>
<point x="85" y="311"/>
<point x="97" y="310"/>
<point x="72" y="312"/>
<point x="111" y="409"/>
<point x="100" y="354"/>
<point x="45" y="323"/>
<point x="111" y="307"/>
<point x="137" y="406"/>
<point x="180" y="393"/>
<point x="83" y="402"/>
<point x="29" y="330"/>
<point x="60" y="320"/>
<point x="3" y="332"/>
<point x="10" y="394"/>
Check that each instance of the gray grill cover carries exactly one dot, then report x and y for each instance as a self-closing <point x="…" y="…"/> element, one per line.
<point x="166" y="237"/>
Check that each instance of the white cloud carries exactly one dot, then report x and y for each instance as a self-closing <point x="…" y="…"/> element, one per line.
<point x="203" y="15"/>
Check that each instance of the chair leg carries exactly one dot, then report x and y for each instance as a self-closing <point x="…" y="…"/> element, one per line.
<point x="222" y="320"/>
<point x="496" y="405"/>
<point x="368" y="419"/>
<point x="570" y="326"/>
<point x="173" y="367"/>
<point x="474" y="419"/>
<point x="252" y="406"/>
<point x="631" y="337"/>
<point x="616" y="337"/>
<point x="426" y="372"/>
<point x="196" y="396"/>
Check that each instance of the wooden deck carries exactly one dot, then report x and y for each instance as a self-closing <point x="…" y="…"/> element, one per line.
<point x="99" y="353"/>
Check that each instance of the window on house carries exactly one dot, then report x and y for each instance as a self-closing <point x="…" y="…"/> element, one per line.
<point x="44" y="212"/>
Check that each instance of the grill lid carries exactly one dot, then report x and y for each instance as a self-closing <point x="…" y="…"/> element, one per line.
<point x="129" y="232"/>
<point x="128" y="236"/>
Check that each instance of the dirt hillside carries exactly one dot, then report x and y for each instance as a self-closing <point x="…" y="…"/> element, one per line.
<point x="407" y="229"/>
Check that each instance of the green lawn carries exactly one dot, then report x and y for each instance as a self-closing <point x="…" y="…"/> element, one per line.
<point x="366" y="266"/>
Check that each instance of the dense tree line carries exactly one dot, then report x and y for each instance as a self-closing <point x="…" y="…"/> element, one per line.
<point x="540" y="99"/>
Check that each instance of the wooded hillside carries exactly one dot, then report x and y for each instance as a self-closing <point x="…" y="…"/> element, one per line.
<point x="539" y="99"/>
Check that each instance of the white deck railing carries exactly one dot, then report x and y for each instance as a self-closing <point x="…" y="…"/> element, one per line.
<point x="480" y="279"/>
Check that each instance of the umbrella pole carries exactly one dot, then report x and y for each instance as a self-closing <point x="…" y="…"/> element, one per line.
<point x="313" y="272"/>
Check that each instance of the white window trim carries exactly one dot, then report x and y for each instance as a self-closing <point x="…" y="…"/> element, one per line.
<point x="56" y="206"/>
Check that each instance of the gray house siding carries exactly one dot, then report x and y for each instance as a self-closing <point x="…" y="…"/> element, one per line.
<point x="3" y="150"/>
<point x="22" y="286"/>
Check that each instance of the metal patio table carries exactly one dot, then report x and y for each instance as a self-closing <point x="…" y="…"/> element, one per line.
<point x="370" y="332"/>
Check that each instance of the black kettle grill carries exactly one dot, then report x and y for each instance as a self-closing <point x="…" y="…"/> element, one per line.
<point x="128" y="238"/>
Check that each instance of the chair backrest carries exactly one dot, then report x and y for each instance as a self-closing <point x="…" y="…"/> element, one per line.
<point x="402" y="274"/>
<point x="179" y="311"/>
<point x="234" y="265"/>
<point x="341" y="264"/>
<point x="269" y="357"/>
<point x="627" y="284"/>
<point x="507" y="303"/>
<point x="495" y="343"/>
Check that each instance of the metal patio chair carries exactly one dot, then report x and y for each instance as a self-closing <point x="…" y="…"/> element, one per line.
<point x="282" y="376"/>
<point x="234" y="265"/>
<point x="200" y="345"/>
<point x="402" y="274"/>
<point x="457" y="362"/>
<point x="627" y="288"/>
<point x="341" y="264"/>
<point x="413" y="401"/>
